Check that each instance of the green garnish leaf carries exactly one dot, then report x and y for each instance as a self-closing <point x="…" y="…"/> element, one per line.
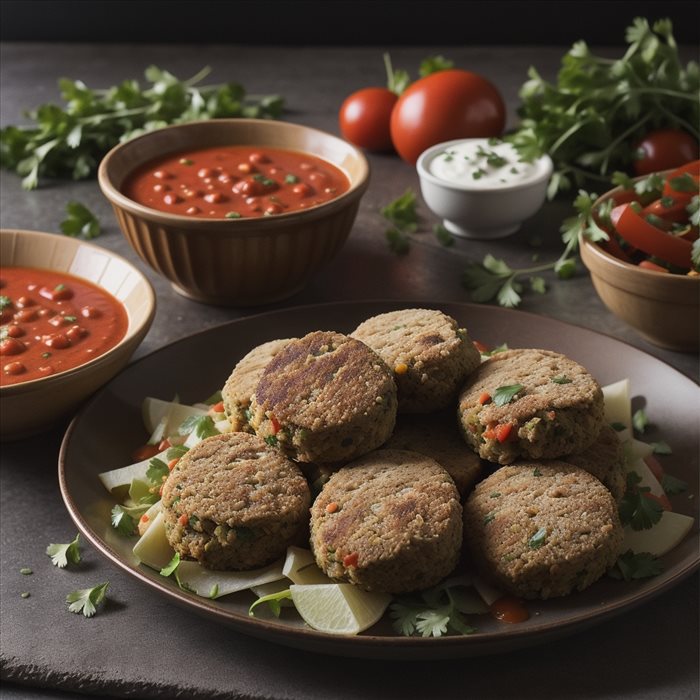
<point x="505" y="394"/>
<point x="70" y="141"/>
<point x="201" y="426"/>
<point x="636" y="510"/>
<point x="683" y="183"/>
<point x="433" y="64"/>
<point x="433" y="612"/>
<point x="176" y="451"/>
<point x="618" y="427"/>
<point x="673" y="486"/>
<point x="26" y="571"/>
<point x="561" y="379"/>
<point x="80" y="222"/>
<point x="398" y="241"/>
<point x="5" y="301"/>
<point x="214" y="398"/>
<point x="588" y="117"/>
<point x="661" y="448"/>
<point x="273" y="601"/>
<point x="62" y="554"/>
<point x="157" y="471"/>
<point x="271" y="440"/>
<point x="122" y="522"/>
<point x="538" y="539"/>
<point x="171" y="567"/>
<point x="537" y="284"/>
<point x="86" y="600"/>
<point x="402" y="212"/>
<point x="631" y="566"/>
<point x="640" y="420"/>
<point x="443" y="235"/>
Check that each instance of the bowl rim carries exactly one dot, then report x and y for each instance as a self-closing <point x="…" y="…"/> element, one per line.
<point x="429" y="153"/>
<point x="133" y="330"/>
<point x="117" y="198"/>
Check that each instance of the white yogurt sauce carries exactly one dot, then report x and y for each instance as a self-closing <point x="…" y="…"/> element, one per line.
<point x="483" y="164"/>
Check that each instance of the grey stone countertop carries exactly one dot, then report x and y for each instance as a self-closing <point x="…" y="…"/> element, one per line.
<point x="139" y="645"/>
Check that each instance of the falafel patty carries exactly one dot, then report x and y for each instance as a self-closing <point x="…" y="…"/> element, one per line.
<point x="437" y="436"/>
<point x="240" y="385"/>
<point x="233" y="502"/>
<point x="428" y="352"/>
<point x="605" y="459"/>
<point x="541" y="530"/>
<point x="325" y="398"/>
<point x="390" y="521"/>
<point x="532" y="404"/>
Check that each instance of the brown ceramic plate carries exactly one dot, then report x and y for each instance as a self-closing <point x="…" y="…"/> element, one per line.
<point x="109" y="426"/>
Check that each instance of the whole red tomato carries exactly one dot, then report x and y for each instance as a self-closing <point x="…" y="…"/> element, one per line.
<point x="664" y="149"/>
<point x="365" y="116"/>
<point x="449" y="104"/>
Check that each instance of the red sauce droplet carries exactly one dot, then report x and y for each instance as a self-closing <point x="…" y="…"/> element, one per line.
<point x="510" y="610"/>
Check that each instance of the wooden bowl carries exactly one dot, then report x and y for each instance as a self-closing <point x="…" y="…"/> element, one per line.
<point x="30" y="407"/>
<point x="236" y="262"/>
<point x="662" y="307"/>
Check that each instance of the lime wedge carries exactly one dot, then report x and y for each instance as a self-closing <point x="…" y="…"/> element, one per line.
<point x="338" y="608"/>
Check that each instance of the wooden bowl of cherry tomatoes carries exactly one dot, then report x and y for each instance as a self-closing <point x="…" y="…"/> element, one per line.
<point x="647" y="271"/>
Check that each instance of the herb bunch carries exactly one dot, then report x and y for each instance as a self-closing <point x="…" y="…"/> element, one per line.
<point x="598" y="107"/>
<point x="69" y="142"/>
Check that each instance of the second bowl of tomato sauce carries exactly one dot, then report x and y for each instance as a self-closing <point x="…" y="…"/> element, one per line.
<point x="236" y="212"/>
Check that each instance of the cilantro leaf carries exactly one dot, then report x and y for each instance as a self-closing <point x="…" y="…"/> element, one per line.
<point x="661" y="448"/>
<point x="443" y="235"/>
<point x="70" y="141"/>
<point x="636" y="510"/>
<point x="80" y="222"/>
<point x="433" y="612"/>
<point x="630" y="566"/>
<point x="201" y="426"/>
<point x="86" y="600"/>
<point x="122" y="522"/>
<point x="561" y="379"/>
<point x="214" y="398"/>
<point x="589" y="116"/>
<point x="157" y="471"/>
<point x="402" y="212"/>
<point x="62" y="554"/>
<point x="672" y="486"/>
<point x="505" y="394"/>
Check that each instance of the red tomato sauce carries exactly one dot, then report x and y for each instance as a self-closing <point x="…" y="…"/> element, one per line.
<point x="508" y="609"/>
<point x="232" y="182"/>
<point x="53" y="321"/>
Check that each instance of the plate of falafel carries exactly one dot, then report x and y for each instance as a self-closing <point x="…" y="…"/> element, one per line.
<point x="389" y="440"/>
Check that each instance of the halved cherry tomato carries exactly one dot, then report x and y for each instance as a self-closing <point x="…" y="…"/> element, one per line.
<point x="664" y="149"/>
<point x="642" y="235"/>
<point x="656" y="469"/>
<point x="613" y="247"/>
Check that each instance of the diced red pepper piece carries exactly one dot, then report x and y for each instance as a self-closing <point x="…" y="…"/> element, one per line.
<point x="350" y="560"/>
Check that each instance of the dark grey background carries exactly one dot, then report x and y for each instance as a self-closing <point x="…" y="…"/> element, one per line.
<point x="340" y="22"/>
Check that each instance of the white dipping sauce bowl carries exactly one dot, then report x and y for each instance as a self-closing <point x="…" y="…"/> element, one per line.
<point x="479" y="211"/>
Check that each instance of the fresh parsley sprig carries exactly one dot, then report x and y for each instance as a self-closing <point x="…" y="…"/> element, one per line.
<point x="630" y="566"/>
<point x="436" y="611"/>
<point x="636" y="509"/>
<point x="80" y="222"/>
<point x="588" y="119"/>
<point x="69" y="141"/>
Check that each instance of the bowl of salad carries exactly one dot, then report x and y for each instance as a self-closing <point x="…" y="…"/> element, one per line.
<point x="642" y="249"/>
